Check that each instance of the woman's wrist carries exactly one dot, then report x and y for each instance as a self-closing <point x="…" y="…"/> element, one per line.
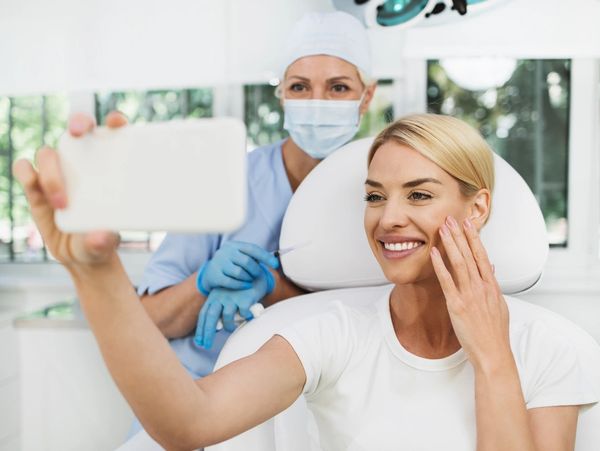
<point x="94" y="272"/>
<point x="283" y="288"/>
<point x="494" y="364"/>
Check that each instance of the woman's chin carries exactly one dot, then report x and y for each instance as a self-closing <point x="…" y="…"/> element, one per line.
<point x="407" y="274"/>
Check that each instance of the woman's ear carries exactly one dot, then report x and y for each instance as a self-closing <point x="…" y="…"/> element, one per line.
<point x="369" y="93"/>
<point x="480" y="208"/>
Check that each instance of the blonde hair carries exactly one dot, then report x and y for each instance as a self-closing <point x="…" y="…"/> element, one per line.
<point x="452" y="144"/>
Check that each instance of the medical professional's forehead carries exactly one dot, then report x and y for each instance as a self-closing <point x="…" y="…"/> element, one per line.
<point x="395" y="163"/>
<point x="324" y="66"/>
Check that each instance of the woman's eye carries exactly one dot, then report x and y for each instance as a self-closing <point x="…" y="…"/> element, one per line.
<point x="371" y="197"/>
<point x="416" y="195"/>
<point x="297" y="87"/>
<point x="340" y="88"/>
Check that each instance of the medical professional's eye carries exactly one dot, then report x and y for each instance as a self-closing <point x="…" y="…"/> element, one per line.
<point x="298" y="87"/>
<point x="372" y="198"/>
<point x="417" y="195"/>
<point x="339" y="88"/>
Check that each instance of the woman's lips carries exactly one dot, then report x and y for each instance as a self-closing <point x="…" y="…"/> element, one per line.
<point x="400" y="250"/>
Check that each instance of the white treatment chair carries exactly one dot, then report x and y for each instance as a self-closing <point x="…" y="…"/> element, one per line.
<point x="327" y="213"/>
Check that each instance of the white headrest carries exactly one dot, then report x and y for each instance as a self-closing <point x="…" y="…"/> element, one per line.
<point x="325" y="217"/>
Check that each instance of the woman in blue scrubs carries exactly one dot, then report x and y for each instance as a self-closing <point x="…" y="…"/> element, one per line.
<point x="324" y="92"/>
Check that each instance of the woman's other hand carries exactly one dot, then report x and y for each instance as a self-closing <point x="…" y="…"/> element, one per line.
<point x="45" y="192"/>
<point x="477" y="309"/>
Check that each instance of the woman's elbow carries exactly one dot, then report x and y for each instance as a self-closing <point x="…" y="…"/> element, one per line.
<point x="189" y="435"/>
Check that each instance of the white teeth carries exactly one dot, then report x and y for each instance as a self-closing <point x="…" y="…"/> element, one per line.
<point x="401" y="246"/>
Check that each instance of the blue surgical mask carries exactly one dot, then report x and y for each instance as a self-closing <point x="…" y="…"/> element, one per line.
<point x="320" y="127"/>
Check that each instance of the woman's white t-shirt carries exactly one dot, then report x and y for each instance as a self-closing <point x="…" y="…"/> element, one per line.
<point x="369" y="393"/>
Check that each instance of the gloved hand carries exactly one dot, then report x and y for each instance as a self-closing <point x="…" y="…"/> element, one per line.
<point x="226" y="303"/>
<point x="235" y="265"/>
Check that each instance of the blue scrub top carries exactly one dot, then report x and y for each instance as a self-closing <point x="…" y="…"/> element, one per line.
<point x="179" y="255"/>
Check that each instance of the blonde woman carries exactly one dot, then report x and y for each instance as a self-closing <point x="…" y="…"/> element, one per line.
<point x="437" y="363"/>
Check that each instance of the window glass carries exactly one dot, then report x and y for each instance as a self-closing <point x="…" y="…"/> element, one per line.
<point x="155" y="106"/>
<point x="263" y="115"/>
<point x="521" y="107"/>
<point x="380" y="112"/>
<point x="26" y="124"/>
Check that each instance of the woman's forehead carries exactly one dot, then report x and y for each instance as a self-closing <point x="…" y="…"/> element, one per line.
<point x="395" y="162"/>
<point x="321" y="66"/>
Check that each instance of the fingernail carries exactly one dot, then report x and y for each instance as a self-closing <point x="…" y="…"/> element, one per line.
<point x="77" y="127"/>
<point x="451" y="222"/>
<point x="444" y="230"/>
<point x="58" y="200"/>
<point x="435" y="252"/>
<point x="468" y="224"/>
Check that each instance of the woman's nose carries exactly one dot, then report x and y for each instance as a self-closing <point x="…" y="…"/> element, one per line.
<point x="394" y="215"/>
<point x="318" y="93"/>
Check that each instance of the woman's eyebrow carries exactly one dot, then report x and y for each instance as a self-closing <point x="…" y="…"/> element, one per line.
<point x="373" y="183"/>
<point x="299" y="77"/>
<point x="339" y="78"/>
<point x="420" y="181"/>
<point x="410" y="184"/>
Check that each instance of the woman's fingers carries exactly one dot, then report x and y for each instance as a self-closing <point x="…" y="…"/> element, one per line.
<point x="463" y="246"/>
<point x="51" y="178"/>
<point x="41" y="209"/>
<point x="81" y="124"/>
<point x="28" y="178"/>
<point x="45" y="193"/>
<point x="115" y="119"/>
<point x="213" y="314"/>
<point x="479" y="253"/>
<point x="458" y="265"/>
<point x="443" y="275"/>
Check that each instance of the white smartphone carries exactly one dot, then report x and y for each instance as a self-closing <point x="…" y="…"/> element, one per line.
<point x="177" y="176"/>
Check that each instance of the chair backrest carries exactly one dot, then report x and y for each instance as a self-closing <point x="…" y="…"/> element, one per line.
<point x="326" y="214"/>
<point x="324" y="217"/>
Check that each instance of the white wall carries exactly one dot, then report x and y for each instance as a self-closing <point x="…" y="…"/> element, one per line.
<point x="111" y="44"/>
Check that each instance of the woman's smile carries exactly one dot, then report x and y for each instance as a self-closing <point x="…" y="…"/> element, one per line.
<point x="400" y="247"/>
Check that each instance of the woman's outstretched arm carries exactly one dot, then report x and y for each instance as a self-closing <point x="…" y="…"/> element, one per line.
<point x="178" y="412"/>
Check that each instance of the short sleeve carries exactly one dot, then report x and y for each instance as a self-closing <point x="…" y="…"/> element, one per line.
<point x="322" y="342"/>
<point x="553" y="375"/>
<point x="178" y="257"/>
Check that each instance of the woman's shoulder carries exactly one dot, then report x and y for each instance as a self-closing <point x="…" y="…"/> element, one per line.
<point x="558" y="362"/>
<point x="526" y="317"/>
<point x="264" y="157"/>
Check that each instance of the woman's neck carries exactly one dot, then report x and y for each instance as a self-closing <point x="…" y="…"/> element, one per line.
<point x="297" y="163"/>
<point x="421" y="320"/>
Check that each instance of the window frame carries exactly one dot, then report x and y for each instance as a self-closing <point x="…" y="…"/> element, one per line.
<point x="576" y="268"/>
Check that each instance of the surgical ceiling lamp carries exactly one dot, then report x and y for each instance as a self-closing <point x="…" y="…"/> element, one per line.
<point x="405" y="13"/>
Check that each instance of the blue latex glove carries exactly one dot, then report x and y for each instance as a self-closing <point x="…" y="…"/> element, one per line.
<point x="235" y="265"/>
<point x="225" y="303"/>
